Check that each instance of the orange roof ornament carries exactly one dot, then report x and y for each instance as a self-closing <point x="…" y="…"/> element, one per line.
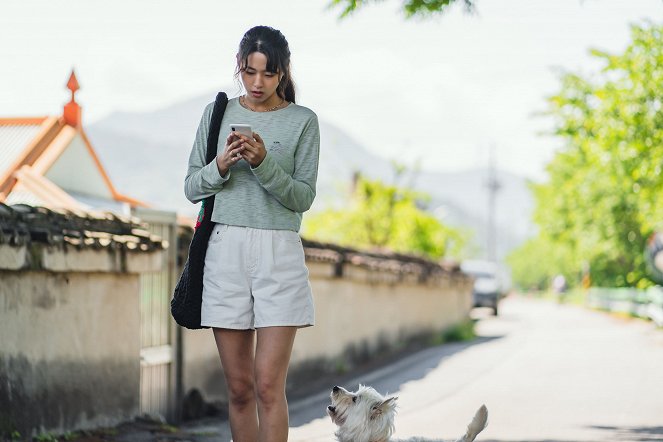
<point x="72" y="111"/>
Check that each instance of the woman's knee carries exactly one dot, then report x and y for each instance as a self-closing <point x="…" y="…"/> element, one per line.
<point x="241" y="392"/>
<point x="270" y="391"/>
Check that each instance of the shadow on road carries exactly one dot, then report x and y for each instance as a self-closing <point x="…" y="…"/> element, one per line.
<point x="630" y="434"/>
<point x="386" y="376"/>
<point x="535" y="440"/>
<point x="633" y="434"/>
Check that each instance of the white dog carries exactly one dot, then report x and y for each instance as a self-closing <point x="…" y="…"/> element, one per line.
<point x="367" y="416"/>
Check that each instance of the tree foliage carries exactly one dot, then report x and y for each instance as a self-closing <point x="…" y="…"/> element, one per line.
<point x="411" y="8"/>
<point x="603" y="199"/>
<point x="386" y="217"/>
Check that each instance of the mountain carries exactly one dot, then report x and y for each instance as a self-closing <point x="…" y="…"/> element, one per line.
<point x="146" y="154"/>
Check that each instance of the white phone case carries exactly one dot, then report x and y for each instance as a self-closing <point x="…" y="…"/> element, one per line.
<point x="242" y="128"/>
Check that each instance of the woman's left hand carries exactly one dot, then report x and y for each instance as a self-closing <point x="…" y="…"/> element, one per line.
<point x="254" y="149"/>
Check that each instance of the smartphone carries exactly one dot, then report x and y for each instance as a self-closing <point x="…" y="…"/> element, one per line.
<point x="243" y="129"/>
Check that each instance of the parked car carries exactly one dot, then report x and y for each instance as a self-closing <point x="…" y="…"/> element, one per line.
<point x="654" y="255"/>
<point x="490" y="283"/>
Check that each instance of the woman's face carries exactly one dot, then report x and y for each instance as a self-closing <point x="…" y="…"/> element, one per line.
<point x="260" y="84"/>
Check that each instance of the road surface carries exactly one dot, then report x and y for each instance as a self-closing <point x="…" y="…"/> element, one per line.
<point x="546" y="372"/>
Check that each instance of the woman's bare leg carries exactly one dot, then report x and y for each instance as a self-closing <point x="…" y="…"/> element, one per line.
<point x="236" y="351"/>
<point x="271" y="368"/>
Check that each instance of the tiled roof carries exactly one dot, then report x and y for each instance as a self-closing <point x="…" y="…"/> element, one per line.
<point x="21" y="224"/>
<point x="37" y="143"/>
<point x="387" y="261"/>
<point x="339" y="255"/>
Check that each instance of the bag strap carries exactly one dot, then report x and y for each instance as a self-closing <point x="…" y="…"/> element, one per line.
<point x="212" y="143"/>
<point x="215" y="125"/>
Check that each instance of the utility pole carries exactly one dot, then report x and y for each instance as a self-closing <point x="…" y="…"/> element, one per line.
<point x="493" y="186"/>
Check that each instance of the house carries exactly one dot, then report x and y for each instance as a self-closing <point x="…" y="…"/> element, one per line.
<point x="48" y="163"/>
<point x="38" y="155"/>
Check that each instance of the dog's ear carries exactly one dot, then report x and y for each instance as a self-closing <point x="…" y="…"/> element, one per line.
<point x="383" y="407"/>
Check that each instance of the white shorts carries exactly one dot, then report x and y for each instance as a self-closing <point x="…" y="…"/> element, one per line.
<point x="255" y="278"/>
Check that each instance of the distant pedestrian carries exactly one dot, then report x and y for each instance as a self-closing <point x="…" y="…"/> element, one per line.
<point x="559" y="283"/>
<point x="256" y="291"/>
<point x="559" y="286"/>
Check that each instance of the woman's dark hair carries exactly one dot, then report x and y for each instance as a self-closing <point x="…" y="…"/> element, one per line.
<point x="274" y="46"/>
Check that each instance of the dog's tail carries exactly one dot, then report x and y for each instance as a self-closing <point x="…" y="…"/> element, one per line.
<point x="477" y="425"/>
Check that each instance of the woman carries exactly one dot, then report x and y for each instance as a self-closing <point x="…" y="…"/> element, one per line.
<point x="256" y="291"/>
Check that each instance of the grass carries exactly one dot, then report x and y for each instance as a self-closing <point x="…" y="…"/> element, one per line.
<point x="458" y="333"/>
<point x="168" y="428"/>
<point x="573" y="296"/>
<point x="102" y="433"/>
<point x="341" y="366"/>
<point x="46" y="437"/>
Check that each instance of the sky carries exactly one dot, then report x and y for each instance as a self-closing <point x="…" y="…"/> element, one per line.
<point x="439" y="92"/>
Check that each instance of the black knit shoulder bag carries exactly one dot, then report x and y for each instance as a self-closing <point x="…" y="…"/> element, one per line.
<point x="188" y="296"/>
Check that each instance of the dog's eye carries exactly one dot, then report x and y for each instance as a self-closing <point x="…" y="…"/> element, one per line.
<point x="354" y="398"/>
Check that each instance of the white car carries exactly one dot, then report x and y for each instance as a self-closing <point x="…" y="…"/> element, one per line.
<point x="490" y="282"/>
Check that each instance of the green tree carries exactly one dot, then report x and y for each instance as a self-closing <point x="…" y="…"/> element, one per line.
<point x="411" y="8"/>
<point x="538" y="260"/>
<point x="386" y="217"/>
<point x="603" y="195"/>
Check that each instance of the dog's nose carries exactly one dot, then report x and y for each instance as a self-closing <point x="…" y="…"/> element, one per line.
<point x="331" y="408"/>
<point x="336" y="388"/>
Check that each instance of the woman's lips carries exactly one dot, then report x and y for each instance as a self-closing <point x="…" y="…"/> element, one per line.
<point x="256" y="94"/>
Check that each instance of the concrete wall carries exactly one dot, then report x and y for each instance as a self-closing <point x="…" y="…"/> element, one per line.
<point x="69" y="337"/>
<point x="371" y="309"/>
<point x="69" y="355"/>
<point x="359" y="314"/>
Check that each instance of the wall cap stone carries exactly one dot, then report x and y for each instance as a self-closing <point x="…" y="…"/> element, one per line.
<point x="40" y="238"/>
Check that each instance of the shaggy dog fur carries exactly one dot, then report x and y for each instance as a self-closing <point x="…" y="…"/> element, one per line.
<point x="367" y="416"/>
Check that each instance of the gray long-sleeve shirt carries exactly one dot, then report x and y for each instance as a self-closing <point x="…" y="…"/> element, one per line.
<point x="276" y="193"/>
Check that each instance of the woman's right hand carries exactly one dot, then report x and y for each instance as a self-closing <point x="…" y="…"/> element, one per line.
<point x="231" y="154"/>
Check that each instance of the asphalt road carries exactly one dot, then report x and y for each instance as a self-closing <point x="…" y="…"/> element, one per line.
<point x="546" y="372"/>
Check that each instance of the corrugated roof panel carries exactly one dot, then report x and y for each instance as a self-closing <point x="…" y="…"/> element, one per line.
<point x="97" y="203"/>
<point x="13" y="139"/>
<point x="24" y="197"/>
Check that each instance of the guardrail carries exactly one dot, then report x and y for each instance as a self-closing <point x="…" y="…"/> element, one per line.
<point x="641" y="303"/>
